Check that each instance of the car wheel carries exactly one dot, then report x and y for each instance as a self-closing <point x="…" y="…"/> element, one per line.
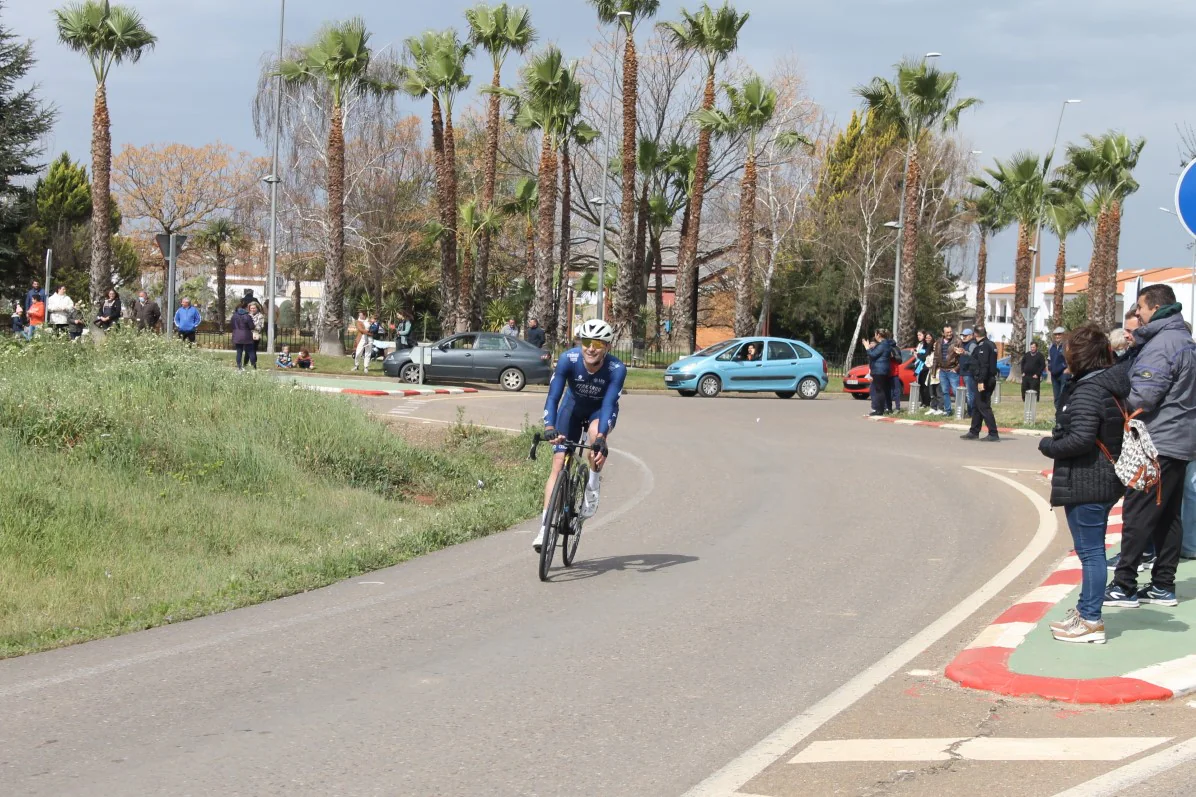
<point x="409" y="373"/>
<point x="809" y="388"/>
<point x="512" y="379"/>
<point x="687" y="393"/>
<point x="860" y="396"/>
<point x="710" y="386"/>
<point x="785" y="394"/>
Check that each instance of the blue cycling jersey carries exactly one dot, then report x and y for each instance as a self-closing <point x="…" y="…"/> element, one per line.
<point x="590" y="391"/>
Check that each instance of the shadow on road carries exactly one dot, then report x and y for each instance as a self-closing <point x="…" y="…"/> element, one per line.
<point x="643" y="563"/>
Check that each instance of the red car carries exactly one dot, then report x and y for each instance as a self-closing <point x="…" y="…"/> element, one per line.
<point x="858" y="381"/>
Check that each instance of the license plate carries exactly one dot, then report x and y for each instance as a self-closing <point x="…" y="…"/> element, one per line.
<point x="670" y="379"/>
<point x="851" y="382"/>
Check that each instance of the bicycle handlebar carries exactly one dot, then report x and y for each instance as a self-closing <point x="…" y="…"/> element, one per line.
<point x="599" y="447"/>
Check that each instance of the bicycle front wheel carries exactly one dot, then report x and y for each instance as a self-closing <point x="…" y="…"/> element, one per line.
<point x="573" y="535"/>
<point x="558" y="510"/>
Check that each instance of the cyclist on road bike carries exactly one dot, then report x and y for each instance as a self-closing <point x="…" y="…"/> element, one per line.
<point x="583" y="395"/>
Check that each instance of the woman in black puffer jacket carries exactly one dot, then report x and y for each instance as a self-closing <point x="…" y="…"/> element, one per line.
<point x="1084" y="482"/>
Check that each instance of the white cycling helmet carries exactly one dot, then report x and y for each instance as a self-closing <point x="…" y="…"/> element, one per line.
<point x="597" y="329"/>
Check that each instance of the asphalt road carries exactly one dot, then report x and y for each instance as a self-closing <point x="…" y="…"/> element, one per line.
<point x="750" y="556"/>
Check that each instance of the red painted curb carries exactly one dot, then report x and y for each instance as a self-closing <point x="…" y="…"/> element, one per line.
<point x="357" y="392"/>
<point x="988" y="669"/>
<point x="1024" y="613"/>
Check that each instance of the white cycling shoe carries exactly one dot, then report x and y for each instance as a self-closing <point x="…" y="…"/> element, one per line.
<point x="539" y="541"/>
<point x="589" y="504"/>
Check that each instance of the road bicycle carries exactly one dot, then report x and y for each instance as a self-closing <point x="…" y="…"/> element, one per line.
<point x="563" y="520"/>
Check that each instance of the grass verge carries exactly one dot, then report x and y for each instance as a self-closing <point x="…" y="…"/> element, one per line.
<point x="148" y="484"/>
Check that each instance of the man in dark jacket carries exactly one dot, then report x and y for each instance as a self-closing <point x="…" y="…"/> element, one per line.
<point x="146" y="312"/>
<point x="947" y="359"/>
<point x="880" y="352"/>
<point x="534" y="334"/>
<point x="1163" y="390"/>
<point x="34" y="292"/>
<point x="1033" y="365"/>
<point x="967" y="370"/>
<point x="1057" y="366"/>
<point x="984" y="367"/>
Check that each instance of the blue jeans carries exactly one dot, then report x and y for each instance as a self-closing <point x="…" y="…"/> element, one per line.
<point x="970" y="383"/>
<point x="949" y="382"/>
<point x="1088" y="523"/>
<point x="1188" y="514"/>
<point x="896" y="388"/>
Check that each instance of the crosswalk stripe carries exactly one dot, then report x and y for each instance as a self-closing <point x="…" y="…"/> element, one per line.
<point x="980" y="748"/>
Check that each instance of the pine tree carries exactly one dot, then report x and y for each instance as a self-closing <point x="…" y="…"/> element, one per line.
<point x="24" y="120"/>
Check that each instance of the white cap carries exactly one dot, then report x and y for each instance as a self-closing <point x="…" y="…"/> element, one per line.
<point x="1060" y="331"/>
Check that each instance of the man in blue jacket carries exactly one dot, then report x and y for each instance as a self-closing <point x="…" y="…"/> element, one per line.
<point x="34" y="292"/>
<point x="880" y="350"/>
<point x="186" y="320"/>
<point x="1057" y="366"/>
<point x="1163" y="392"/>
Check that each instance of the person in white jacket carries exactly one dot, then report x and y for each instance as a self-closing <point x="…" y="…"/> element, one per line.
<point x="58" y="308"/>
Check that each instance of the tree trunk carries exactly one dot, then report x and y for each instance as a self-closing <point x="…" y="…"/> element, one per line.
<point x="1096" y="269"/>
<point x="625" y="287"/>
<point x="1109" y="282"/>
<point x="101" y="217"/>
<point x="642" y="264"/>
<point x="448" y="260"/>
<point x="1060" y="277"/>
<point x="554" y="328"/>
<point x="542" y="303"/>
<point x="334" y="269"/>
<point x="685" y="295"/>
<point x="744" y="320"/>
<point x="909" y="253"/>
<point x="530" y="271"/>
<point x="658" y="299"/>
<point x="450" y="174"/>
<point x="676" y="309"/>
<point x="859" y="325"/>
<point x="481" y="274"/>
<point x="297" y="303"/>
<point x="221" y="287"/>
<point x="1021" y="298"/>
<point x="465" y="293"/>
<point x="981" y="278"/>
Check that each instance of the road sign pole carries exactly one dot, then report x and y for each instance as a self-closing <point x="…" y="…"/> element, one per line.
<point x="170" y="260"/>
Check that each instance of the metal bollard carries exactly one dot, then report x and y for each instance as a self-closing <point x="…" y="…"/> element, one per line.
<point x="997" y="393"/>
<point x="961" y="401"/>
<point x="915" y="398"/>
<point x="1031" y="410"/>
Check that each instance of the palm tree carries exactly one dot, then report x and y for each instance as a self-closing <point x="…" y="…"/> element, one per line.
<point x="1104" y="167"/>
<point x="338" y="60"/>
<point x="579" y="133"/>
<point x="1018" y="184"/>
<point x="437" y="67"/>
<point x="920" y="101"/>
<point x="986" y="211"/>
<point x="1065" y="213"/>
<point x="715" y="35"/>
<point x="751" y="109"/>
<point x="473" y="225"/>
<point x="499" y="30"/>
<point x="634" y="11"/>
<point x="107" y="35"/>
<point x="221" y="236"/>
<point x="523" y="203"/>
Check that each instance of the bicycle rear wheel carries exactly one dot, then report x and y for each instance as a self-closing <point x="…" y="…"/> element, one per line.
<point x="555" y="519"/>
<point x="576" y="495"/>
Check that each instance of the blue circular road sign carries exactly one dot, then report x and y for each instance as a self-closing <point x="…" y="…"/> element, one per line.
<point x="1185" y="198"/>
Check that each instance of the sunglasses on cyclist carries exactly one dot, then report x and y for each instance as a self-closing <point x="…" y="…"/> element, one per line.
<point x="591" y="343"/>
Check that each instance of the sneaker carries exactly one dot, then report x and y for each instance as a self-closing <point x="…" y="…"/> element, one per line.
<point x="875" y="414"/>
<point x="1147" y="562"/>
<point x="990" y="438"/>
<point x="1157" y="595"/>
<point x="1117" y="595"/>
<point x="1080" y="630"/>
<point x="1112" y="563"/>
<point x="538" y="543"/>
<point x="969" y="436"/>
<point x="1066" y="621"/>
<point x="589" y="504"/>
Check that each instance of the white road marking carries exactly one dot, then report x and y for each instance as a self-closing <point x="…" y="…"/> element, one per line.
<point x="1005" y="635"/>
<point x="371" y="582"/>
<point x="1178" y="675"/>
<point x="1112" y="783"/>
<point x="923" y="673"/>
<point x="982" y="748"/>
<point x="727" y="780"/>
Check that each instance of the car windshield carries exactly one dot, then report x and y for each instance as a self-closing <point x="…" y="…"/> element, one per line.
<point x="716" y="348"/>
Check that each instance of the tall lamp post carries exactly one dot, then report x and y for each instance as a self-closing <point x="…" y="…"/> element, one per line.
<point x="610" y="121"/>
<point x="901" y="226"/>
<point x="273" y="179"/>
<point x="1041" y="211"/>
<point x="1192" y="301"/>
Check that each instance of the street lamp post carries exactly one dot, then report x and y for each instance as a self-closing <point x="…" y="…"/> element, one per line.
<point x="1041" y="211"/>
<point x="273" y="180"/>
<point x="610" y="117"/>
<point x="901" y="226"/>
<point x="1192" y="300"/>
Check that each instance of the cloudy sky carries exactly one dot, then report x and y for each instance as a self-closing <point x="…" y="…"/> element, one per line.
<point x="1021" y="57"/>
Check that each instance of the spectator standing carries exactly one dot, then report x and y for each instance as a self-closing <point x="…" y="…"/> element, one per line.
<point x="259" y="323"/>
<point x="511" y="329"/>
<point x="35" y="292"/>
<point x="932" y="381"/>
<point x="77" y="321"/>
<point x="403" y="331"/>
<point x="880" y="352"/>
<point x="534" y="334"/>
<point x="1057" y="365"/>
<point x="59" y="307"/>
<point x="967" y="370"/>
<point x="1163" y="391"/>
<point x="948" y="360"/>
<point x="1084" y="444"/>
<point x="146" y="313"/>
<point x="896" y="386"/>
<point x="984" y="369"/>
<point x="109" y="314"/>
<point x="1033" y="366"/>
<point x="186" y="320"/>
<point x="18" y="318"/>
<point x="243" y="332"/>
<point x="921" y="371"/>
<point x="35" y="317"/>
<point x="362" y="345"/>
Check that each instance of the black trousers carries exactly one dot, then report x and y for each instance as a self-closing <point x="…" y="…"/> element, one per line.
<point x="982" y="410"/>
<point x="187" y="336"/>
<point x="880" y="393"/>
<point x="1153" y="517"/>
<point x="1031" y="383"/>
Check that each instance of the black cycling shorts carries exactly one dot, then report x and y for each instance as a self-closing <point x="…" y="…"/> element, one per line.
<point x="572" y="420"/>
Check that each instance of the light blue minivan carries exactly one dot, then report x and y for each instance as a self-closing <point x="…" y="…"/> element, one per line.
<point x="751" y="365"/>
